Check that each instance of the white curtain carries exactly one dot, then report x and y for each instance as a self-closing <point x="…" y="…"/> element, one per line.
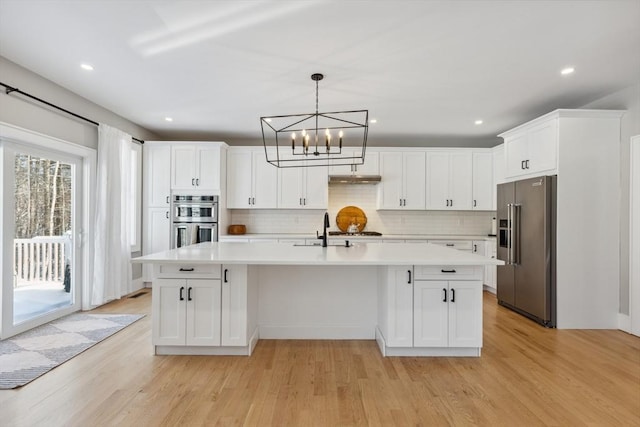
<point x="112" y="251"/>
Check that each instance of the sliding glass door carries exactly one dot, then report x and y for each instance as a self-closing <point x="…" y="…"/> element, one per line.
<point x="42" y="192"/>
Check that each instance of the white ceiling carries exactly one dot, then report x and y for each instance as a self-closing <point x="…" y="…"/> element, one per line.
<point x="426" y="70"/>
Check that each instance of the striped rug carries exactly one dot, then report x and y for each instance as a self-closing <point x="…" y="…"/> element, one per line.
<point x="26" y="356"/>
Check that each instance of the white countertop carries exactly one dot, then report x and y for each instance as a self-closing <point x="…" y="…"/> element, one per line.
<point x="288" y="254"/>
<point x="348" y="237"/>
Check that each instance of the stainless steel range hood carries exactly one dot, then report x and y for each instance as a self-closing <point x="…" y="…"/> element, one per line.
<point x="354" y="179"/>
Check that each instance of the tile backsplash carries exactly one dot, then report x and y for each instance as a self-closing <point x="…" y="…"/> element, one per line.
<point x="364" y="196"/>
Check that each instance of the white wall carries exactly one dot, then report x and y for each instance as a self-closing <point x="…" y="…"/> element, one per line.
<point x="625" y="99"/>
<point x="364" y="196"/>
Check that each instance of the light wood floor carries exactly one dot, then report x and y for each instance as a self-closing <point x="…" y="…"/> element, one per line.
<point x="527" y="376"/>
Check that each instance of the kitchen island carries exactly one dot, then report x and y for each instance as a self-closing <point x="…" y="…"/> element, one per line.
<point x="414" y="299"/>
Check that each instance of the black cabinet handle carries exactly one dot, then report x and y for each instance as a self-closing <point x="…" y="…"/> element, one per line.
<point x="450" y="244"/>
<point x="522" y="164"/>
<point x="300" y="202"/>
<point x="166" y="214"/>
<point x="448" y="271"/>
<point x="305" y="201"/>
<point x="253" y="200"/>
<point x="475" y="248"/>
<point x="193" y="182"/>
<point x="451" y="200"/>
<point x="527" y="164"/>
<point x="249" y="201"/>
<point x="167" y="199"/>
<point x="445" y="294"/>
<point x="181" y="293"/>
<point x="197" y="182"/>
<point x="475" y="203"/>
<point x="189" y="294"/>
<point x="186" y="269"/>
<point x="409" y="271"/>
<point x="453" y="295"/>
<point x="226" y="270"/>
<point x="400" y="202"/>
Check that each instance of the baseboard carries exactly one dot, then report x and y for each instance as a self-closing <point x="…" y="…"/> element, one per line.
<point x="490" y="289"/>
<point x="137" y="284"/>
<point x="624" y="322"/>
<point x="317" y="332"/>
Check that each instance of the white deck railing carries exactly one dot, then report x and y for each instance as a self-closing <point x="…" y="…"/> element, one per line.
<point x="40" y="259"/>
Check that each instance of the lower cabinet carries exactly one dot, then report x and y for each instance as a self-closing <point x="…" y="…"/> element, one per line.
<point x="428" y="310"/>
<point x="188" y="312"/>
<point x="210" y="307"/>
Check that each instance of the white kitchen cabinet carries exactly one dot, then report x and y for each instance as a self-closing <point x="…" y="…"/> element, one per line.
<point x="186" y="312"/>
<point x="156" y="200"/>
<point x="395" y="301"/>
<point x="531" y="150"/>
<point x="234" y="305"/>
<point x="430" y="307"/>
<point x="447" y="313"/>
<point x="157" y="235"/>
<point x="403" y="180"/>
<point x="303" y="188"/>
<point x="196" y="166"/>
<point x="482" y="181"/>
<point x="251" y="181"/>
<point x="449" y="180"/>
<point x="490" y="271"/>
<point x="369" y="167"/>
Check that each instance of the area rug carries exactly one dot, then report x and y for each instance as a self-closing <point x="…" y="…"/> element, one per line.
<point x="26" y="356"/>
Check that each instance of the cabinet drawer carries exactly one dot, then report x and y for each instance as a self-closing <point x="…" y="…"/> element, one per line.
<point x="208" y="271"/>
<point x="461" y="245"/>
<point x="447" y="272"/>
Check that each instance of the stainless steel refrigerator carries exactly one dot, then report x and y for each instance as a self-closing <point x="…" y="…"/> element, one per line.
<point x="526" y="243"/>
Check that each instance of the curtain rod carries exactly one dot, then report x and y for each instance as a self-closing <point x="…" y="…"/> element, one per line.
<point x="10" y="89"/>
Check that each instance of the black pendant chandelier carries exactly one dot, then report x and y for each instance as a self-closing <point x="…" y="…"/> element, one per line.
<point x="316" y="139"/>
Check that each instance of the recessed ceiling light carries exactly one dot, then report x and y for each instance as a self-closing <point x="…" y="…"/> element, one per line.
<point x="566" y="71"/>
<point x="168" y="119"/>
<point x="373" y="121"/>
<point x="86" y="67"/>
<point x="478" y="122"/>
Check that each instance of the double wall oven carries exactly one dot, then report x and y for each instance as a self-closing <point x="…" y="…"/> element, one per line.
<point x="195" y="220"/>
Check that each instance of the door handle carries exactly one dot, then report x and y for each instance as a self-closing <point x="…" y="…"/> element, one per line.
<point x="475" y="248"/>
<point x="166" y="214"/>
<point x="253" y="201"/>
<point x="527" y="164"/>
<point x="522" y="165"/>
<point x="249" y="201"/>
<point x="226" y="270"/>
<point x="400" y="202"/>
<point x="189" y="293"/>
<point x="475" y="203"/>
<point x="300" y="201"/>
<point x="453" y="295"/>
<point x="409" y="271"/>
<point x="181" y="293"/>
<point x="167" y="199"/>
<point x="445" y="294"/>
<point x="192" y="181"/>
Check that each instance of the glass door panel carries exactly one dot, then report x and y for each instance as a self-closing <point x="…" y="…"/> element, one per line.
<point x="42" y="248"/>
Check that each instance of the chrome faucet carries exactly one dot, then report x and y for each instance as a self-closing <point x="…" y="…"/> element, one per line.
<point x="324" y="231"/>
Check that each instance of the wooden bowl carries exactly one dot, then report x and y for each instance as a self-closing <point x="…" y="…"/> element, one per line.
<point x="237" y="229"/>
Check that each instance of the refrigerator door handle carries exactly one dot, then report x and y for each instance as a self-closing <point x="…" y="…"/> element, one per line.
<point x="509" y="232"/>
<point x="514" y="241"/>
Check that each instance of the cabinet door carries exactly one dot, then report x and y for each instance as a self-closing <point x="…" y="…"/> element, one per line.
<point x="183" y="167"/>
<point x="430" y="313"/>
<point x="203" y="312"/>
<point x="390" y="193"/>
<point x="414" y="180"/>
<point x="460" y="180"/>
<point x="371" y="165"/>
<point x="169" y="311"/>
<point x="239" y="179"/>
<point x="542" y="147"/>
<point x="265" y="182"/>
<point x="208" y="167"/>
<point x="437" y="181"/>
<point x="482" y="181"/>
<point x="157" y="180"/>
<point x="291" y="184"/>
<point x="157" y="235"/>
<point x="465" y="313"/>
<point x="399" y="297"/>
<point x="234" y="305"/>
<point x="316" y="192"/>
<point x="515" y="151"/>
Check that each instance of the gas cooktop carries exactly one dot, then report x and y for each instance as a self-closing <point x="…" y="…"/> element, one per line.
<point x="362" y="233"/>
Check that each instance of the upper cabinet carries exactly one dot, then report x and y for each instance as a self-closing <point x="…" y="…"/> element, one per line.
<point x="449" y="180"/>
<point x="157" y="180"/>
<point x="531" y="150"/>
<point x="482" y="181"/>
<point x="196" y="166"/>
<point x="303" y="188"/>
<point x="251" y="181"/>
<point x="403" y="180"/>
<point x="369" y="167"/>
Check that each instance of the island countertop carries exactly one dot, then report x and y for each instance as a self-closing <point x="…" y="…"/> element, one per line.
<point x="290" y="254"/>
